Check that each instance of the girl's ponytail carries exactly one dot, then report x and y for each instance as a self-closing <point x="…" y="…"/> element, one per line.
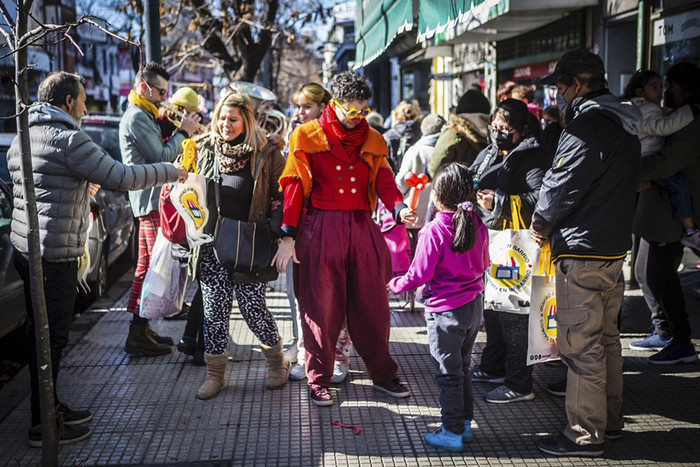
<point x="464" y="228"/>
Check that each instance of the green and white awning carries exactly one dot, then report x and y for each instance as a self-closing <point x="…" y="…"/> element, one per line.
<point x="377" y="25"/>
<point x="489" y="20"/>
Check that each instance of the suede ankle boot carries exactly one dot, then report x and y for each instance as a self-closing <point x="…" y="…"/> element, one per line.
<point x="216" y="376"/>
<point x="140" y="343"/>
<point x="277" y="366"/>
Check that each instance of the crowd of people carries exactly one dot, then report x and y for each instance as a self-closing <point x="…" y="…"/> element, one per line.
<point x="587" y="174"/>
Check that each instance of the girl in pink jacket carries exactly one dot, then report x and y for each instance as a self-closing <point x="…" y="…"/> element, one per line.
<point x="450" y="260"/>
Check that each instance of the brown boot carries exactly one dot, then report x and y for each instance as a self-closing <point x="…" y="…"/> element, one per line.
<point x="139" y="342"/>
<point x="216" y="375"/>
<point x="167" y="340"/>
<point x="277" y="366"/>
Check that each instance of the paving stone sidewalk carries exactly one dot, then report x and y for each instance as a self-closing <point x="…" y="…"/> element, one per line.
<point x="146" y="412"/>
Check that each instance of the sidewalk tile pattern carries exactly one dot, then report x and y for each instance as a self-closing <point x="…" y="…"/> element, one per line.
<point x="146" y="412"/>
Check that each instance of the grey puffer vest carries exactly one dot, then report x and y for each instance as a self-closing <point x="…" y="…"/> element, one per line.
<point x="65" y="161"/>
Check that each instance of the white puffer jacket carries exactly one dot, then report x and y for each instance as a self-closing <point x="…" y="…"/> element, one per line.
<point x="65" y="160"/>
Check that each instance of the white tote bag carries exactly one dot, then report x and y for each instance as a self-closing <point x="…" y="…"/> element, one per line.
<point x="514" y="255"/>
<point x="542" y="333"/>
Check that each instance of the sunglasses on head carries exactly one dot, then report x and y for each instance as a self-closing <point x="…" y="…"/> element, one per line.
<point x="352" y="113"/>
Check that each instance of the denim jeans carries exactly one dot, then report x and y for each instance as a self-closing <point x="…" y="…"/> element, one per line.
<point x="451" y="336"/>
<point x="681" y="198"/>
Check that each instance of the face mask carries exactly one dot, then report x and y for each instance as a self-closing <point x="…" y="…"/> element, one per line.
<point x="561" y="103"/>
<point x="502" y="139"/>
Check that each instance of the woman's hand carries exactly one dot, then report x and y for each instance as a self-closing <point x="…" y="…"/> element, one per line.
<point x="94" y="188"/>
<point x="285" y="252"/>
<point x="408" y="216"/>
<point x="485" y="199"/>
<point x="537" y="237"/>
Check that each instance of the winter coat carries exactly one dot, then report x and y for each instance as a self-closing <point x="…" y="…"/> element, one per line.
<point x="266" y="169"/>
<point x="657" y="123"/>
<point x="654" y="221"/>
<point x="519" y="172"/>
<point x="587" y="200"/>
<point x="452" y="279"/>
<point x="141" y="142"/>
<point x="399" y="138"/>
<point x="65" y="161"/>
<point x="461" y="140"/>
<point x="416" y="160"/>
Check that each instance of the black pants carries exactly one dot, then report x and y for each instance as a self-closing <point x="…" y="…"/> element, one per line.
<point x="60" y="288"/>
<point x="656" y="269"/>
<point x="194" y="328"/>
<point x="505" y="353"/>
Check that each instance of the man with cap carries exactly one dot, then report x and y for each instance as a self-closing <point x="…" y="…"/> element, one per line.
<point x="466" y="133"/>
<point x="586" y="209"/>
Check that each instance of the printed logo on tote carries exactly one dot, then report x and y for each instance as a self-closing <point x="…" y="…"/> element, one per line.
<point x="548" y="317"/>
<point x="190" y="200"/>
<point x="516" y="274"/>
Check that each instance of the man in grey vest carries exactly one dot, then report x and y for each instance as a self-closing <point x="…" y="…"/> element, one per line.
<point x="65" y="164"/>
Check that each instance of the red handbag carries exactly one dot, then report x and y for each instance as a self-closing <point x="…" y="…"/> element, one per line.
<point x="171" y="223"/>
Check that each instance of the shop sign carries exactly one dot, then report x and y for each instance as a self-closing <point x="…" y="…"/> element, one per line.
<point x="534" y="70"/>
<point x="677" y="27"/>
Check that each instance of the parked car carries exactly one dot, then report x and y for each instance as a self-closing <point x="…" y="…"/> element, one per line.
<point x="14" y="312"/>
<point x="112" y="227"/>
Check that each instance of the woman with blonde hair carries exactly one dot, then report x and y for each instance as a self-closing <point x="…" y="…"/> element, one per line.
<point x="237" y="156"/>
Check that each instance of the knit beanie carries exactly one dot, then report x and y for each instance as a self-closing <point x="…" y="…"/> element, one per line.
<point x="473" y="102"/>
<point x="431" y="124"/>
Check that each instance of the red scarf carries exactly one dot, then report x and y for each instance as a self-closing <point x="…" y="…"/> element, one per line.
<point x="351" y="139"/>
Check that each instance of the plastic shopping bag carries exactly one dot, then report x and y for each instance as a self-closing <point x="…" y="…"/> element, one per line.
<point x="514" y="255"/>
<point x="189" y="199"/>
<point x="163" y="288"/>
<point x="542" y="333"/>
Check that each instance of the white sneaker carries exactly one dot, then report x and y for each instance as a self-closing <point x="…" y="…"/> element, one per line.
<point x="692" y="240"/>
<point x="292" y="352"/>
<point x="340" y="372"/>
<point x="298" y="372"/>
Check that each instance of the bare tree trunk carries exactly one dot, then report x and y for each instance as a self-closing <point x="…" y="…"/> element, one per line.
<point x="41" y="323"/>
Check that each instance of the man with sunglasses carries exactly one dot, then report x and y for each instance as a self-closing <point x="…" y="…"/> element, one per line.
<point x="141" y="142"/>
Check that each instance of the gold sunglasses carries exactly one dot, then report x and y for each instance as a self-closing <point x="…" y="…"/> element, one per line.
<point x="352" y="113"/>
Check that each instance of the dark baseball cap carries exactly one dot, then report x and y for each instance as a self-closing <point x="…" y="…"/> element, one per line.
<point x="574" y="63"/>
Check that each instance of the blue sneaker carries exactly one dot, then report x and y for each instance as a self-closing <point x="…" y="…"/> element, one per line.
<point x="444" y="439"/>
<point x="651" y="342"/>
<point x="674" y="353"/>
<point x="468" y="435"/>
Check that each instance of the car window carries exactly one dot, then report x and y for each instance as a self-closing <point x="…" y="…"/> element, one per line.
<point x="107" y="137"/>
<point x="4" y="173"/>
<point x="5" y="209"/>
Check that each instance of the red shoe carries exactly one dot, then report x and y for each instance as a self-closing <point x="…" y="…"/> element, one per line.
<point x="320" y="396"/>
<point x="392" y="387"/>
